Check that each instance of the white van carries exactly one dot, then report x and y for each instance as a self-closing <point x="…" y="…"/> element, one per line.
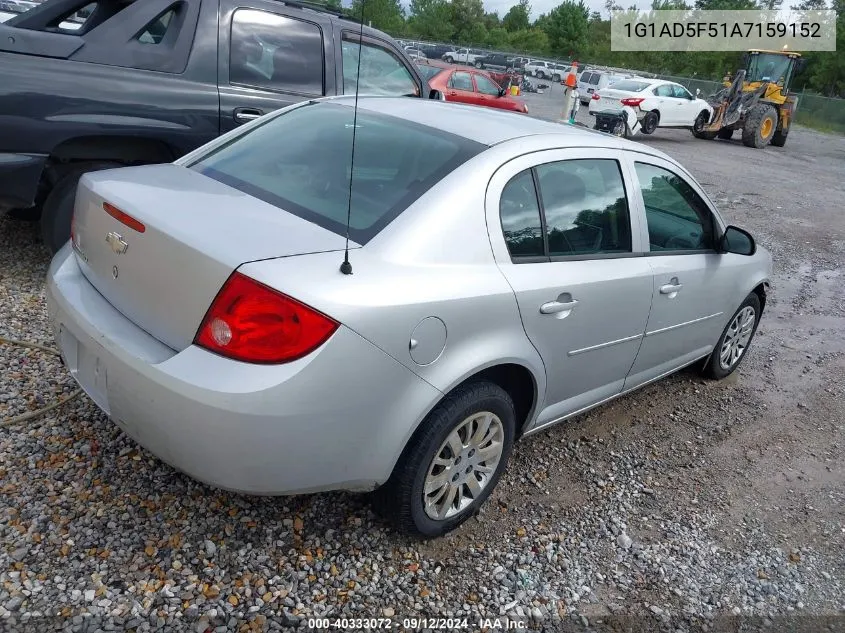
<point x="590" y="81"/>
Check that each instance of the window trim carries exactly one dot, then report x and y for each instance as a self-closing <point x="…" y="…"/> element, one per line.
<point x="298" y="93"/>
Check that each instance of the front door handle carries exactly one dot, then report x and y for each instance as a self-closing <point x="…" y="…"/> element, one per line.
<point x="244" y="115"/>
<point x="452" y="93"/>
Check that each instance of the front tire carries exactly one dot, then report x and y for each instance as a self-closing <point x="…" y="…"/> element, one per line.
<point x="478" y="64"/>
<point x="541" y="74"/>
<point x="735" y="340"/>
<point x="452" y="463"/>
<point x="701" y="120"/>
<point x="449" y="60"/>
<point x="760" y="125"/>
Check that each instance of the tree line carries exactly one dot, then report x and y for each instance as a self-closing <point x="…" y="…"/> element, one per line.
<point x="571" y="31"/>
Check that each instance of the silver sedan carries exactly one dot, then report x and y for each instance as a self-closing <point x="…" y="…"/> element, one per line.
<point x="504" y="274"/>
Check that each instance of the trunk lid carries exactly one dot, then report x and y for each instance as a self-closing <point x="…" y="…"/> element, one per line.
<point x="196" y="232"/>
<point x="612" y="98"/>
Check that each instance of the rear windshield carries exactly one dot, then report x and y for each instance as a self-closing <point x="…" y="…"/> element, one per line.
<point x="300" y="162"/>
<point x="630" y="86"/>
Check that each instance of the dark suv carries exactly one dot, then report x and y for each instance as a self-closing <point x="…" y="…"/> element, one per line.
<point x="147" y="81"/>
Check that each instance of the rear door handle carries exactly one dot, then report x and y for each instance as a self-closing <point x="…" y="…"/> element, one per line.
<point x="244" y="115"/>
<point x="562" y="308"/>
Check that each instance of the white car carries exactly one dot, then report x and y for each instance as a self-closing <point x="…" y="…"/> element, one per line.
<point x="539" y="69"/>
<point x="414" y="53"/>
<point x="462" y="56"/>
<point x="654" y="102"/>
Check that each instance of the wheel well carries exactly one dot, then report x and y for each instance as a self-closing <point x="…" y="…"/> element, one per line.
<point x="761" y="291"/>
<point x="657" y="114"/>
<point x="116" y="148"/>
<point x="520" y="385"/>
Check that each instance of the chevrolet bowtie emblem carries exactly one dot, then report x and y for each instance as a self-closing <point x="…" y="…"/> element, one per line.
<point x="117" y="243"/>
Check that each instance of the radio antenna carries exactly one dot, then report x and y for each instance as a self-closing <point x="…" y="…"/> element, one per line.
<point x="346" y="267"/>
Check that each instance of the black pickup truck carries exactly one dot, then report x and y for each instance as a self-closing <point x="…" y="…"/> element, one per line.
<point x="96" y="84"/>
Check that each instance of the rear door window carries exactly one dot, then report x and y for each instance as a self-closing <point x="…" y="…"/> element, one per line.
<point x="461" y="81"/>
<point x="275" y="52"/>
<point x="585" y="207"/>
<point x="301" y="162"/>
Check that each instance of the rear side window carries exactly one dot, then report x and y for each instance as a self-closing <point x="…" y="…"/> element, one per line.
<point x="301" y="162"/>
<point x="381" y="71"/>
<point x="594" y="78"/>
<point x="155" y="31"/>
<point x="274" y="52"/>
<point x="520" y="214"/>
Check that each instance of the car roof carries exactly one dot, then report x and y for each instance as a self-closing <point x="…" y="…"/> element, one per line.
<point x="487" y="126"/>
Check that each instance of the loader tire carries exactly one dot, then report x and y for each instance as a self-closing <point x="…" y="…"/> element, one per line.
<point x="779" y="138"/>
<point x="760" y="125"/>
<point x="725" y="133"/>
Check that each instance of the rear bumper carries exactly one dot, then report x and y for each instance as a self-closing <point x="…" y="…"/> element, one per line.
<point x="19" y="178"/>
<point x="337" y="419"/>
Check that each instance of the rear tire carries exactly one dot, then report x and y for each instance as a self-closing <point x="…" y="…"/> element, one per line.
<point x="760" y="125"/>
<point x="779" y="138"/>
<point x="403" y="499"/>
<point x="58" y="207"/>
<point x="478" y="64"/>
<point x="725" y="133"/>
<point x="650" y="122"/>
<point x="732" y="346"/>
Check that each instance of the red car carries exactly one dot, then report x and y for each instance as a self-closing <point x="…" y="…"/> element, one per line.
<point x="468" y="85"/>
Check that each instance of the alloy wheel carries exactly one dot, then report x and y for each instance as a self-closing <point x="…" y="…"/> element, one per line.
<point x="463" y="465"/>
<point x="737" y="337"/>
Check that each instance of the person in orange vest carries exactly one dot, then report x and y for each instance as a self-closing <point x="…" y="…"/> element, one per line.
<point x="571" y="102"/>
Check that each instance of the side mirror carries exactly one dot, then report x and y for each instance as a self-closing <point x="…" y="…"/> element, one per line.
<point x="502" y="92"/>
<point x="737" y="241"/>
<point x="697" y="92"/>
<point x="437" y="95"/>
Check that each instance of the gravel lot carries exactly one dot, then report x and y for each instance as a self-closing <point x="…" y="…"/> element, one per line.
<point x="690" y="505"/>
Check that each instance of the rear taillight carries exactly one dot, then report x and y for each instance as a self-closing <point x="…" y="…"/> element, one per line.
<point x="253" y="323"/>
<point x="595" y="96"/>
<point x="632" y="101"/>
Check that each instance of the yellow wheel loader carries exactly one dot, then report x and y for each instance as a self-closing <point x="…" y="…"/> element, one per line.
<point x="757" y="101"/>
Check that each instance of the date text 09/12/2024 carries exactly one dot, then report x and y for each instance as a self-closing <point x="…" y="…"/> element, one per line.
<point x="417" y="624"/>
